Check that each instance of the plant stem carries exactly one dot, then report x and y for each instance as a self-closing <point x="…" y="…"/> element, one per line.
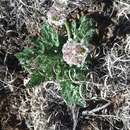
<point x="68" y="30"/>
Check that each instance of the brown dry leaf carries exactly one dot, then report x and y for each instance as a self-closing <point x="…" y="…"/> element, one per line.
<point x="118" y="100"/>
<point x="86" y="128"/>
<point x="93" y="126"/>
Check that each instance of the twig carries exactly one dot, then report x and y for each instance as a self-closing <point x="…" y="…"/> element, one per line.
<point x="84" y="113"/>
<point x="75" y="113"/>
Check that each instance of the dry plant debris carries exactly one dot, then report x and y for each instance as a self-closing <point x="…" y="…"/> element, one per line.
<point x="79" y="75"/>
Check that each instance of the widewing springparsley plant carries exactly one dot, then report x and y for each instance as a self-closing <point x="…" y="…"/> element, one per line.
<point x="60" y="58"/>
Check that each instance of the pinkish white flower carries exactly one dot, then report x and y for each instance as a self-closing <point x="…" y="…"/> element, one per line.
<point x="74" y="53"/>
<point x="60" y="4"/>
<point x="56" y="17"/>
<point x="62" y="1"/>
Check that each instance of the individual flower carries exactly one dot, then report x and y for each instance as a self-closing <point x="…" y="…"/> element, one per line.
<point x="74" y="53"/>
<point x="56" y="17"/>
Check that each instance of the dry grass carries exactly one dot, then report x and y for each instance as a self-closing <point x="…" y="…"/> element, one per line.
<point x="31" y="109"/>
<point x="113" y="85"/>
<point x="35" y="102"/>
<point x="123" y="8"/>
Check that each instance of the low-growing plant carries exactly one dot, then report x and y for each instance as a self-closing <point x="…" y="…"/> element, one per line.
<point x="44" y="59"/>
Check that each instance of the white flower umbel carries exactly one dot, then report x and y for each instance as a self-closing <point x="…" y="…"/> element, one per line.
<point x="74" y="53"/>
<point x="56" y="17"/>
<point x="60" y="4"/>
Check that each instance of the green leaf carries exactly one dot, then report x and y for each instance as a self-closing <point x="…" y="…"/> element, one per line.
<point x="71" y="95"/>
<point x="49" y="36"/>
<point x="36" y="79"/>
<point x="83" y="30"/>
<point x="44" y="60"/>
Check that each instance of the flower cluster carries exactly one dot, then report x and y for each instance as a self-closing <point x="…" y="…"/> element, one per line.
<point x="57" y="14"/>
<point x="74" y="53"/>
